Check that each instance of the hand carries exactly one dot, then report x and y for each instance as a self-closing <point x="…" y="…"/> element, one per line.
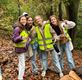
<point x="62" y="35"/>
<point x="29" y="39"/>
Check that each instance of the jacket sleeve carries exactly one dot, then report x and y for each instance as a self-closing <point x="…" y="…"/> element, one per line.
<point x="68" y="24"/>
<point x="16" y="35"/>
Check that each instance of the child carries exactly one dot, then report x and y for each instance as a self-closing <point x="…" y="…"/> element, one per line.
<point x="45" y="35"/>
<point x="33" y="45"/>
<point x="61" y="30"/>
<point x="21" y="40"/>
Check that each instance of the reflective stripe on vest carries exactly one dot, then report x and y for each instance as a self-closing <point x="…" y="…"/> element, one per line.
<point x="45" y="39"/>
<point x="66" y="33"/>
<point x="23" y="34"/>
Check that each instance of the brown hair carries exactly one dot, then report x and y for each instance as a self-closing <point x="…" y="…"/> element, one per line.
<point x="57" y="22"/>
<point x="18" y="22"/>
<point x="35" y="18"/>
<point x="54" y="17"/>
<point x="28" y="17"/>
<point x="20" y="17"/>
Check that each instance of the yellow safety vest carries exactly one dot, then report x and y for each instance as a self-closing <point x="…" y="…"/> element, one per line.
<point x="33" y="40"/>
<point x="23" y="34"/>
<point x="45" y="40"/>
<point x="66" y="33"/>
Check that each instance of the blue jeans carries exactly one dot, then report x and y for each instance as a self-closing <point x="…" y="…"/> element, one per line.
<point x="43" y="57"/>
<point x="56" y="62"/>
<point x="33" y="60"/>
<point x="65" y="47"/>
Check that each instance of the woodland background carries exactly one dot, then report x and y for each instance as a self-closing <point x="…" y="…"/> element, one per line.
<point x="64" y="9"/>
<point x="10" y="10"/>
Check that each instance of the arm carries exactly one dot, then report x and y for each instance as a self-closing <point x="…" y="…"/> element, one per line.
<point x="33" y="33"/>
<point x="45" y="22"/>
<point x="68" y="24"/>
<point x="16" y="35"/>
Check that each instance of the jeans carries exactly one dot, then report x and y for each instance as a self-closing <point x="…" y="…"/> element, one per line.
<point x="43" y="57"/>
<point x="65" y="47"/>
<point x="21" y="66"/>
<point x="35" y="45"/>
<point x="33" y="60"/>
<point x="55" y="60"/>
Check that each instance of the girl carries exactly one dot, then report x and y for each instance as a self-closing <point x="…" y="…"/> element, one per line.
<point x="21" y="40"/>
<point x="33" y="45"/>
<point x="64" y="40"/>
<point x="45" y="35"/>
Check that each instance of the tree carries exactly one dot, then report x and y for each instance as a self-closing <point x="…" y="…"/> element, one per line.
<point x="72" y="13"/>
<point x="60" y="10"/>
<point x="19" y="7"/>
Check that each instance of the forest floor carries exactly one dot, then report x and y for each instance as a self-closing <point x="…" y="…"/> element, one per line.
<point x="9" y="62"/>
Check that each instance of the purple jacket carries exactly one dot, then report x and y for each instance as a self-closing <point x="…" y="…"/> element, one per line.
<point x="16" y="39"/>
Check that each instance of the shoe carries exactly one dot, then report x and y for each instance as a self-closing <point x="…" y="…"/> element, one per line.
<point x="61" y="75"/>
<point x="43" y="73"/>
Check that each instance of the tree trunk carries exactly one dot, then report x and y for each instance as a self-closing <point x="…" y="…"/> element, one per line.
<point x="49" y="13"/>
<point x="72" y="11"/>
<point x="60" y="10"/>
<point x="19" y="11"/>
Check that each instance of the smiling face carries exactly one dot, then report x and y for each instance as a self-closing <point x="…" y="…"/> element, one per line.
<point x="38" y="20"/>
<point x="53" y="21"/>
<point x="30" y="21"/>
<point x="22" y="20"/>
